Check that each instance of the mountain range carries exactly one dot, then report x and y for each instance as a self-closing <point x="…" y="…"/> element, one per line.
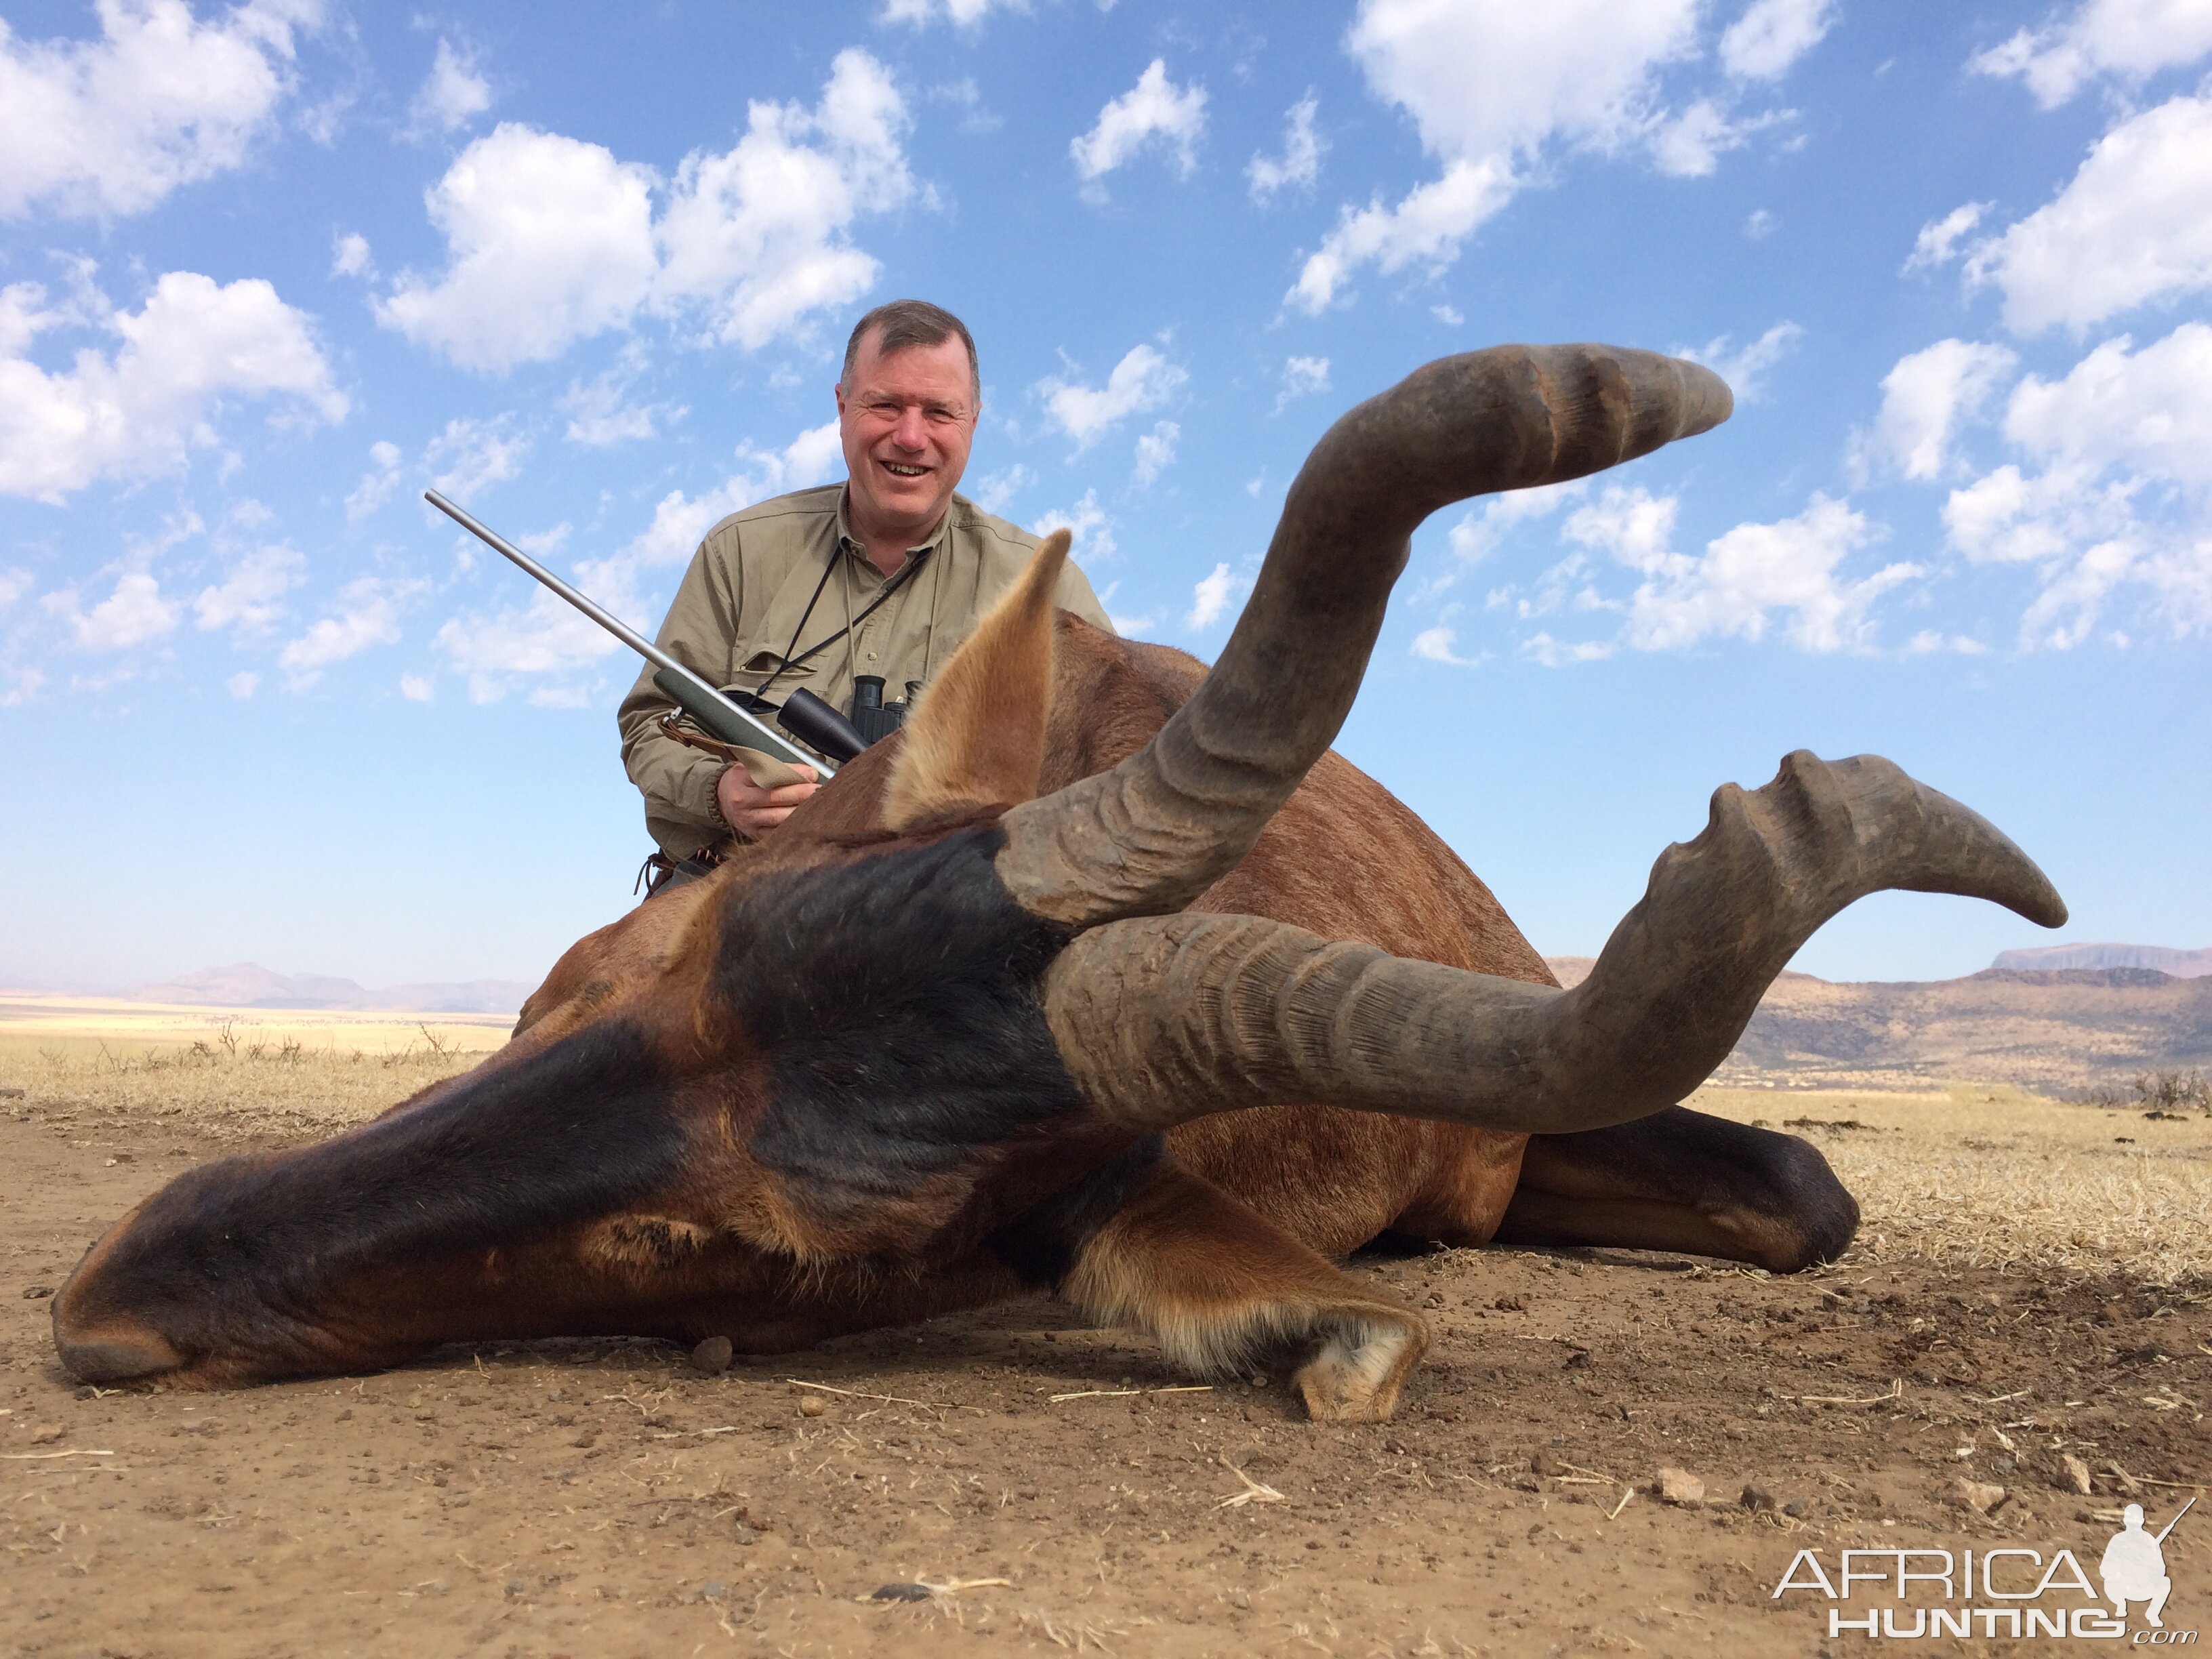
<point x="249" y="985"/>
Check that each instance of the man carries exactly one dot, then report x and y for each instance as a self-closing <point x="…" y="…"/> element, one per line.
<point x="2133" y="1567"/>
<point x="884" y="574"/>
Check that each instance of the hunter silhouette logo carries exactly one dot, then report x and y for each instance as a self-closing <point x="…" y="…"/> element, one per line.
<point x="2011" y="1590"/>
<point x="2133" y="1565"/>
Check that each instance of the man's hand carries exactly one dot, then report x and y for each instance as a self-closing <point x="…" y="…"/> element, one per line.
<point x="752" y="811"/>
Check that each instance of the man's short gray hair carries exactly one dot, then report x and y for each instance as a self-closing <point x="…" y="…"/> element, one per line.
<point x="907" y="323"/>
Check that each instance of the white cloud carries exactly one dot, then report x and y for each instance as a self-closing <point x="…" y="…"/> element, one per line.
<point x="1144" y="379"/>
<point x="1745" y="369"/>
<point x="1212" y="595"/>
<point x="1086" y="521"/>
<point x="1300" y="164"/>
<point x="995" y="491"/>
<point x="1743" y="577"/>
<point x="1154" y="112"/>
<point x="417" y="688"/>
<point x="1690" y="145"/>
<point x="962" y="14"/>
<point x="1482" y="529"/>
<point x="600" y="414"/>
<point x="1435" y="645"/>
<point x="2116" y="491"/>
<point x="2125" y="38"/>
<point x="1759" y="225"/>
<point x="376" y="486"/>
<point x="2134" y="224"/>
<point x="812" y="457"/>
<point x="14" y="584"/>
<point x="474" y="454"/>
<point x="112" y="126"/>
<point x="191" y="346"/>
<point x="349" y="256"/>
<point x="368" y="615"/>
<point x="1552" y="653"/>
<point x="1938" y="241"/>
<point x="250" y="598"/>
<point x="452" y="96"/>
<point x="551" y="239"/>
<point x="243" y="685"/>
<point x="1772" y="35"/>
<point x="760" y="235"/>
<point x="133" y="615"/>
<point x="1302" y="377"/>
<point x="1924" y="400"/>
<point x="1156" y="452"/>
<point x="1427" y="228"/>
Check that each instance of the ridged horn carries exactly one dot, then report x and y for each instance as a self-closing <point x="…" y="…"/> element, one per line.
<point x="1161" y="827"/>
<point x="1163" y="1019"/>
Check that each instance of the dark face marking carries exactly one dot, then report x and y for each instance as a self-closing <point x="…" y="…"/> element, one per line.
<point x="243" y="1257"/>
<point x="894" y="1003"/>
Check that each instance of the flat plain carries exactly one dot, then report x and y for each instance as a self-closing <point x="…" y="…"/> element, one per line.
<point x="2032" y="1283"/>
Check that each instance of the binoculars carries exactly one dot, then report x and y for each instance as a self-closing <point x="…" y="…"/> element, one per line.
<point x="823" y="729"/>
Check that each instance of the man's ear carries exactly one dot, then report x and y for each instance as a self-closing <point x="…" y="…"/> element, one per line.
<point x="978" y="737"/>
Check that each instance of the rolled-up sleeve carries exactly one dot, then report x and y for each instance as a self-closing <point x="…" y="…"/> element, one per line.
<point x="676" y="780"/>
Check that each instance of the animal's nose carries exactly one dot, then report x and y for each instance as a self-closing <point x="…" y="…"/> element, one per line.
<point x="109" y="1349"/>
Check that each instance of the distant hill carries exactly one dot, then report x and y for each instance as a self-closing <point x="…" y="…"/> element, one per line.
<point x="2061" y="1029"/>
<point x="2182" y="964"/>
<point x="249" y="985"/>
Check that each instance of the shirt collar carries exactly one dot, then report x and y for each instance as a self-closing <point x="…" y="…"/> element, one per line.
<point x="851" y="548"/>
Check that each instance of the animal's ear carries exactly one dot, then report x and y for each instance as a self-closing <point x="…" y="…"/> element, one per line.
<point x="978" y="737"/>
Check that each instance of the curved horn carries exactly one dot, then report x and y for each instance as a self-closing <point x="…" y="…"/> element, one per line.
<point x="1164" y="1019"/>
<point x="1161" y="827"/>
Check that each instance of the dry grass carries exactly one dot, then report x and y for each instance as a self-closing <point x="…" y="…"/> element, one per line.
<point x="1978" y="1175"/>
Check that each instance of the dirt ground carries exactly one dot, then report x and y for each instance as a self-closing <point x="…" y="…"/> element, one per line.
<point x="1060" y="1489"/>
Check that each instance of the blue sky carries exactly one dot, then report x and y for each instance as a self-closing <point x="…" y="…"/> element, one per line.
<point x="266" y="271"/>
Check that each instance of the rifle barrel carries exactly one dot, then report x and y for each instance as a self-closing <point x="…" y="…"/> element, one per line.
<point x="2176" y="1522"/>
<point x="704" y="703"/>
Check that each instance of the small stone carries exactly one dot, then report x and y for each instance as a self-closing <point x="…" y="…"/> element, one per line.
<point x="1510" y="1304"/>
<point x="33" y="1292"/>
<point x="745" y="1535"/>
<point x="712" y="1356"/>
<point x="1756" y="1498"/>
<point x="715" y="1590"/>
<point x="518" y="1586"/>
<point x="1545" y="1464"/>
<point x="1798" y="1508"/>
<point x="1979" y="1496"/>
<point x="2077" y="1474"/>
<point x="900" y="1593"/>
<point x="1681" y="1486"/>
<point x="813" y="1404"/>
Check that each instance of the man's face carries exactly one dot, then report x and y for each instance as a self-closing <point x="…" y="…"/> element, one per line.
<point x="906" y="420"/>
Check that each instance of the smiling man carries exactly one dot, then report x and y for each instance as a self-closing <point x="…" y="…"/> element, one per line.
<point x="884" y="574"/>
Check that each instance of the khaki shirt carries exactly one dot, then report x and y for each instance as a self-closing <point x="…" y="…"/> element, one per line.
<point x="740" y="603"/>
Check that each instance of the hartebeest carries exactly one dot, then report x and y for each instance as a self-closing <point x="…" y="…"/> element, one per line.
<point x="1105" y="978"/>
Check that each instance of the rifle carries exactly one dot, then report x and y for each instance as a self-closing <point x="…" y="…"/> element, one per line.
<point x="713" y="710"/>
<point x="2176" y="1522"/>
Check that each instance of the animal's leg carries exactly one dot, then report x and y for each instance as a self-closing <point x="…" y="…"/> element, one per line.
<point x="1220" y="1287"/>
<point x="1681" y="1181"/>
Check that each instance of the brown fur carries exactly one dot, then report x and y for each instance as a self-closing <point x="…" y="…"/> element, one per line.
<point x="978" y="737"/>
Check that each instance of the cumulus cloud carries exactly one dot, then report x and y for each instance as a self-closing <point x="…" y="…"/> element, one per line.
<point x="1299" y="165"/>
<point x="2134" y="225"/>
<point x="1481" y="530"/>
<point x="243" y="685"/>
<point x="1212" y="596"/>
<point x="1155" y="113"/>
<point x="2127" y="39"/>
<point x="1745" y="367"/>
<point x="251" y="598"/>
<point x="1435" y="644"/>
<point x="1144" y="379"/>
<point x="551" y="239"/>
<point x="962" y="14"/>
<point x="1938" y="241"/>
<point x="134" y="614"/>
<point x="1086" y="522"/>
<point x="1302" y="377"/>
<point x="1772" y="35"/>
<point x="112" y="126"/>
<point x="473" y="454"/>
<point x="452" y="96"/>
<point x="1924" y="400"/>
<point x="812" y="457"/>
<point x="376" y="485"/>
<point x="367" y="614"/>
<point x="1747" y="578"/>
<point x="349" y="256"/>
<point x="1156" y="452"/>
<point x="1489" y="83"/>
<point x="190" y="349"/>
<point x="600" y="414"/>
<point x="2114" y="489"/>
